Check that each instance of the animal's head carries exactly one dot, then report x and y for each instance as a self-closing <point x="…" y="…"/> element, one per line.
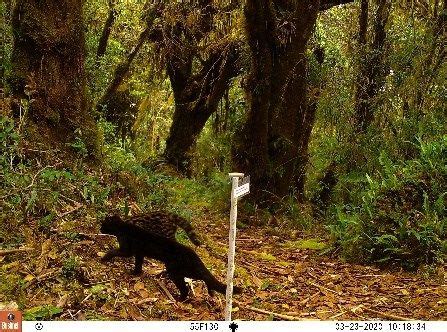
<point x="110" y="224"/>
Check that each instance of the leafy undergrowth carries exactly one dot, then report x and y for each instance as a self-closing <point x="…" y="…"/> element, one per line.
<point x="398" y="216"/>
<point x="51" y="210"/>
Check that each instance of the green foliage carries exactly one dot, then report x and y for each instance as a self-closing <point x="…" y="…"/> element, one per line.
<point x="301" y="215"/>
<point x="116" y="156"/>
<point x="388" y="204"/>
<point x="51" y="175"/>
<point x="79" y="146"/>
<point x="187" y="197"/>
<point x="153" y="120"/>
<point x="313" y="244"/>
<point x="70" y="266"/>
<point x="400" y="217"/>
<point x="93" y="191"/>
<point x="100" y="292"/>
<point x="12" y="285"/>
<point x="266" y="256"/>
<point x="6" y="44"/>
<point x="46" y="221"/>
<point x="213" y="149"/>
<point x="44" y="312"/>
<point x="123" y="37"/>
<point x="9" y="139"/>
<point x="211" y="152"/>
<point x="13" y="171"/>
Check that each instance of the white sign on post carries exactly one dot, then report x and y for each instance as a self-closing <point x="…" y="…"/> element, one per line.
<point x="243" y="188"/>
<point x="238" y="189"/>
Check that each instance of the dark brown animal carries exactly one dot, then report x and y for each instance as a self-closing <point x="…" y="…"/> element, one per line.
<point x="180" y="260"/>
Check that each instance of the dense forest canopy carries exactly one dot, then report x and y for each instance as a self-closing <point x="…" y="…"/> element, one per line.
<point x="336" y="110"/>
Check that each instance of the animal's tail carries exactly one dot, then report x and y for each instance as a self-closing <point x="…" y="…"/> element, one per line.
<point x="213" y="284"/>
<point x="237" y="290"/>
<point x="187" y="227"/>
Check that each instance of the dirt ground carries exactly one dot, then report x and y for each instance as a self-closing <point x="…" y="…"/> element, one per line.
<point x="279" y="282"/>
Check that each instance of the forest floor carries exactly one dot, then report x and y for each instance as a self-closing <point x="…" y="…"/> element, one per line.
<point x="280" y="282"/>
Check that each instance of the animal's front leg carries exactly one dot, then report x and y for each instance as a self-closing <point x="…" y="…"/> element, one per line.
<point x="122" y="251"/>
<point x="138" y="264"/>
<point x="111" y="254"/>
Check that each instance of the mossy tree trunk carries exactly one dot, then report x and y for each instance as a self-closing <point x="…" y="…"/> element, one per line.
<point x="273" y="144"/>
<point x="275" y="136"/>
<point x="196" y="97"/>
<point x="199" y="80"/>
<point x="362" y="107"/>
<point x="48" y="68"/>
<point x="6" y="14"/>
<point x="372" y="68"/>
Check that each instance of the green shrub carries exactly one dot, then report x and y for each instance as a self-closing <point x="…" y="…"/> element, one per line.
<point x="401" y="219"/>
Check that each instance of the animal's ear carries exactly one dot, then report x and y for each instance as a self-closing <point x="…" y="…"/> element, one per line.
<point x="112" y="218"/>
<point x="109" y="219"/>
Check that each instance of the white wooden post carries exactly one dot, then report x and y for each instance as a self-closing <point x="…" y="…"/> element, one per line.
<point x="232" y="245"/>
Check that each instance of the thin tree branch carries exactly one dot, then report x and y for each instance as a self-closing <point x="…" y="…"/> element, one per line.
<point x="14" y="251"/>
<point x="103" y="41"/>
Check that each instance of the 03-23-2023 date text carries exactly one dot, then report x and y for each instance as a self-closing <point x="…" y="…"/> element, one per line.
<point x="380" y="326"/>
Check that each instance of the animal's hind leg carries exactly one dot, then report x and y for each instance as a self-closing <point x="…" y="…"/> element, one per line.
<point x="179" y="281"/>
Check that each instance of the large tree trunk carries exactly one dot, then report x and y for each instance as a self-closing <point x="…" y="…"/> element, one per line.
<point x="371" y="71"/>
<point x="48" y="63"/>
<point x="196" y="99"/>
<point x="273" y="146"/>
<point x="6" y="39"/>
<point x="362" y="108"/>
<point x="251" y="153"/>
<point x="197" y="89"/>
